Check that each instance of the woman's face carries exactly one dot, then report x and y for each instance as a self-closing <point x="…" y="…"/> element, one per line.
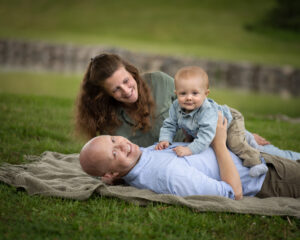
<point x="122" y="86"/>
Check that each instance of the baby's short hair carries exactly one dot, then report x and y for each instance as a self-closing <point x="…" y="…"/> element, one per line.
<point x="192" y="71"/>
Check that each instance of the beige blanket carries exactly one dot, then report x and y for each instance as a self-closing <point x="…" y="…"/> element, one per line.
<point x="56" y="174"/>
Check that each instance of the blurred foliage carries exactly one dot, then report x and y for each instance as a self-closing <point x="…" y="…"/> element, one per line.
<point x="282" y="19"/>
<point x="285" y="15"/>
<point x="210" y="29"/>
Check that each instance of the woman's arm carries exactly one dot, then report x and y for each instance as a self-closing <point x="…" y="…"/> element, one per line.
<point x="260" y="140"/>
<point x="228" y="171"/>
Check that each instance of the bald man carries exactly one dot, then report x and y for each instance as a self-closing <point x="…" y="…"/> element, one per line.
<point x="216" y="171"/>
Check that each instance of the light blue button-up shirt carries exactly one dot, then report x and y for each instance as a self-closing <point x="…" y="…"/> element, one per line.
<point x="200" y="123"/>
<point x="162" y="171"/>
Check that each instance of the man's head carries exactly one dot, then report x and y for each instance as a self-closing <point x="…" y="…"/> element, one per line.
<point x="110" y="157"/>
<point x="192" y="87"/>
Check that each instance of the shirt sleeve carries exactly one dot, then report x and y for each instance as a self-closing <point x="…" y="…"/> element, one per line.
<point x="207" y="123"/>
<point x="197" y="183"/>
<point x="170" y="126"/>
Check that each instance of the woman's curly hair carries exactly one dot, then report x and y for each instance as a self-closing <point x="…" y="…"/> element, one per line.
<point x="97" y="112"/>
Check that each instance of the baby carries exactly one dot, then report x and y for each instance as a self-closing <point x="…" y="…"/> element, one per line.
<point x="197" y="115"/>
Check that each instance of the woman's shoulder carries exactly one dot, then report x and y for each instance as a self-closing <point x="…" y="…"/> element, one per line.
<point x="162" y="89"/>
<point x="159" y="79"/>
<point x="158" y="76"/>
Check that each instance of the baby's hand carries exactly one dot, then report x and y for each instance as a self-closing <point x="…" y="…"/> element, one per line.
<point x="182" y="151"/>
<point x="162" y="145"/>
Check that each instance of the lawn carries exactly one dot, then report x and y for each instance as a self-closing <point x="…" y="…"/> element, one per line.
<point x="36" y="109"/>
<point x="210" y="29"/>
<point x="33" y="120"/>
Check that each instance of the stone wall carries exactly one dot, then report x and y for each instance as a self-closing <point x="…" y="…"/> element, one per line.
<point x="41" y="56"/>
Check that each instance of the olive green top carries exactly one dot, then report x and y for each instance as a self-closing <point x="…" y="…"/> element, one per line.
<point x="162" y="88"/>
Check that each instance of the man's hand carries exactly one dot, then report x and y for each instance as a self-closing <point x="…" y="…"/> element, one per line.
<point x="228" y="170"/>
<point x="162" y="145"/>
<point x="182" y="151"/>
<point x="260" y="140"/>
<point x="107" y="180"/>
<point x="221" y="131"/>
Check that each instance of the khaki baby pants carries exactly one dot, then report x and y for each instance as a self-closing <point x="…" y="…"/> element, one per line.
<point x="236" y="141"/>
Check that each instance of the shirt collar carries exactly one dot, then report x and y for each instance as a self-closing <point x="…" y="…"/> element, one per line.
<point x="125" y="117"/>
<point x="133" y="173"/>
<point x="191" y="114"/>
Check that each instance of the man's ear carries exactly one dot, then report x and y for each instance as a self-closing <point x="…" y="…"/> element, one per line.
<point x="111" y="175"/>
<point x="109" y="178"/>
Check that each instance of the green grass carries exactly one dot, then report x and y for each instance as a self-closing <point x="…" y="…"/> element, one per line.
<point x="213" y="29"/>
<point x="31" y="123"/>
<point x="36" y="110"/>
<point x="50" y="84"/>
<point x="67" y="86"/>
<point x="34" y="217"/>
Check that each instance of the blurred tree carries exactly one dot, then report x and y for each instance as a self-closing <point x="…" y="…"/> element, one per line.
<point x="285" y="15"/>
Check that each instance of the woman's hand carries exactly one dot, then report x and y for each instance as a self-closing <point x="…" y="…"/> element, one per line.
<point x="221" y="131"/>
<point x="260" y="140"/>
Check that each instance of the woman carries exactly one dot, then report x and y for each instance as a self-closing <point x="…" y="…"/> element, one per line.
<point x="115" y="99"/>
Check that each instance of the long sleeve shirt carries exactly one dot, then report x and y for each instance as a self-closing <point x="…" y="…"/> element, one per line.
<point x="162" y="90"/>
<point x="200" y="123"/>
<point x="162" y="171"/>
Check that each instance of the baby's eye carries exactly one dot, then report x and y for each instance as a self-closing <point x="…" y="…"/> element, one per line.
<point x="182" y="93"/>
<point x="195" y="93"/>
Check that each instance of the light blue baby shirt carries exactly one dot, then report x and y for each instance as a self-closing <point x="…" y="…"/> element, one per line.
<point x="200" y="123"/>
<point x="162" y="171"/>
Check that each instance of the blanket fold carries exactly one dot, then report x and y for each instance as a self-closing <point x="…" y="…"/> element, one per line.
<point x="60" y="175"/>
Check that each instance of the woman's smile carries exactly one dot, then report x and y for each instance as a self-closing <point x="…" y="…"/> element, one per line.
<point x="122" y="86"/>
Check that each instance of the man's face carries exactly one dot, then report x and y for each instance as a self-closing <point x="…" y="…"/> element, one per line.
<point x="118" y="153"/>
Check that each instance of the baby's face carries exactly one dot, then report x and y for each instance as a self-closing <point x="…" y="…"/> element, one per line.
<point x="190" y="93"/>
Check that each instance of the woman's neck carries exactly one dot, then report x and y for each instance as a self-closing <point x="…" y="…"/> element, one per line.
<point x="129" y="108"/>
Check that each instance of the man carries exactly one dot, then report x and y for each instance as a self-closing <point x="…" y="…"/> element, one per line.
<point x="214" y="172"/>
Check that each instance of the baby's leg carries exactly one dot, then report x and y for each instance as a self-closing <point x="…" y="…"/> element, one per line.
<point x="238" y="144"/>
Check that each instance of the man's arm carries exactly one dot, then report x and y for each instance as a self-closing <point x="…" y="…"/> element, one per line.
<point x="228" y="171"/>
